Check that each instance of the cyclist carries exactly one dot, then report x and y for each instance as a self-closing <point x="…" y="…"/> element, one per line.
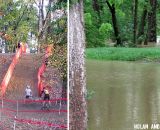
<point x="45" y="95"/>
<point x="28" y="92"/>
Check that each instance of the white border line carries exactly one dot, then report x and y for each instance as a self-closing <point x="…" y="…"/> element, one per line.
<point x="68" y="63"/>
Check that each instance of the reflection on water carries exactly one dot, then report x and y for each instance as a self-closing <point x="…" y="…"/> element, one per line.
<point x="126" y="93"/>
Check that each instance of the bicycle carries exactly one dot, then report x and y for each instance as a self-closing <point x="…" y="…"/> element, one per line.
<point x="46" y="105"/>
<point x="28" y="99"/>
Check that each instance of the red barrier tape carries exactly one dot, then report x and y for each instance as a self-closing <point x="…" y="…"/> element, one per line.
<point x="2" y="126"/>
<point x="8" y="114"/>
<point x="38" y="111"/>
<point x="40" y="123"/>
<point x="10" y="71"/>
<point x="41" y="70"/>
<point x="36" y="122"/>
<point x="30" y="101"/>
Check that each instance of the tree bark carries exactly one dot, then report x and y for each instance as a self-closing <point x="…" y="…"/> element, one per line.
<point x="135" y="22"/>
<point x="97" y="8"/>
<point x="152" y="24"/>
<point x="77" y="78"/>
<point x="41" y="15"/>
<point x="40" y="22"/>
<point x="115" y="24"/>
<point x="142" y="24"/>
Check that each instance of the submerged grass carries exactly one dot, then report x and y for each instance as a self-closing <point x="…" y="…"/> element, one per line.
<point x="123" y="54"/>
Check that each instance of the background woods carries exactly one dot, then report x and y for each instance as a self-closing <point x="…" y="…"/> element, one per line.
<point x="121" y="22"/>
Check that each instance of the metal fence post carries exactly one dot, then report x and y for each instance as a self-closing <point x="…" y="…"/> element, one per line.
<point x="56" y="101"/>
<point x="17" y="107"/>
<point x="14" y="125"/>
<point x="60" y="108"/>
<point x="1" y="110"/>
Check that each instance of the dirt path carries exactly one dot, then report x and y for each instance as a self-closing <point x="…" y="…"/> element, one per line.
<point x="25" y="73"/>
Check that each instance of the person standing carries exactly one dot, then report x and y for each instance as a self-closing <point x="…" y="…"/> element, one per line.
<point x="28" y="92"/>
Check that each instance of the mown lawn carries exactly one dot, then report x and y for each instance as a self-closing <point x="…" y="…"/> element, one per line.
<point x="123" y="54"/>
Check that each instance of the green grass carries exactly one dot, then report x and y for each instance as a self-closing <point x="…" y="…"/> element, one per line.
<point x="123" y="54"/>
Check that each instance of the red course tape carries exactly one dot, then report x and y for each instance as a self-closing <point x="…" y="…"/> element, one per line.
<point x="39" y="111"/>
<point x="30" y="101"/>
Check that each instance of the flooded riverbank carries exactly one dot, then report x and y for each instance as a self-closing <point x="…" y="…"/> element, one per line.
<point x="126" y="93"/>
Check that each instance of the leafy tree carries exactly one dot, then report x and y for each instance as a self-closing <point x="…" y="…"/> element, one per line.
<point x="17" y="20"/>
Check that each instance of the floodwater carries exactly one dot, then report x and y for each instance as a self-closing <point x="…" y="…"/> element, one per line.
<point x="127" y="95"/>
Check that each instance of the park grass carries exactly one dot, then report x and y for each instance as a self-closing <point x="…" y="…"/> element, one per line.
<point x="124" y="54"/>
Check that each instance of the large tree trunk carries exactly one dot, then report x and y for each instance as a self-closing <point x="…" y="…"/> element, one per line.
<point x="135" y="22"/>
<point x="152" y="24"/>
<point x="77" y="78"/>
<point x="115" y="24"/>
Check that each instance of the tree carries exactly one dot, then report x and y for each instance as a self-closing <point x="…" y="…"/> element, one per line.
<point x="17" y="20"/>
<point x="77" y="79"/>
<point x="115" y="23"/>
<point x="97" y="8"/>
<point x="141" y="30"/>
<point x="135" y="22"/>
<point x="152" y="24"/>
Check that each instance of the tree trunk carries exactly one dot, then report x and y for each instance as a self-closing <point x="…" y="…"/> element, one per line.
<point x="142" y="25"/>
<point x="77" y="78"/>
<point x="115" y="24"/>
<point x="135" y="22"/>
<point x="97" y="8"/>
<point x="41" y="15"/>
<point x="152" y="24"/>
<point x="40" y="23"/>
<point x="48" y="30"/>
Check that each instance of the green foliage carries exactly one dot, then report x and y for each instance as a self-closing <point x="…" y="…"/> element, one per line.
<point x="88" y="18"/>
<point x="94" y="37"/>
<point x="18" y="19"/>
<point x="105" y="29"/>
<point x="58" y="31"/>
<point x="58" y="28"/>
<point x="123" y="54"/>
<point x="90" y="94"/>
<point x="59" y="60"/>
<point x="116" y="2"/>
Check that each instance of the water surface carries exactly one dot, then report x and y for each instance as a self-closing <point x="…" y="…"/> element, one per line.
<point x="126" y="93"/>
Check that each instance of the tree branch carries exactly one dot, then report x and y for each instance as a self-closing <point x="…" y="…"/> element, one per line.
<point x="109" y="5"/>
<point x="20" y="18"/>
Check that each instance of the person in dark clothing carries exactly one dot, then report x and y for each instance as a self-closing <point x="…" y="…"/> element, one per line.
<point x="46" y="61"/>
<point x="19" y="44"/>
<point x="45" y="95"/>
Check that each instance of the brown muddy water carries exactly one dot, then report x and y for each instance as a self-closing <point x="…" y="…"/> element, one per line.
<point x="127" y="95"/>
